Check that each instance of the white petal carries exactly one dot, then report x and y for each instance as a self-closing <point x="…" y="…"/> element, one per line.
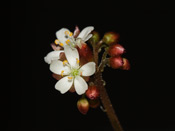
<point x="88" y="37"/>
<point x="57" y="67"/>
<point x="64" y="84"/>
<point x="85" y="32"/>
<point x="88" y="69"/>
<point x="54" y="55"/>
<point x="72" y="55"/>
<point x="80" y="85"/>
<point x="61" y="35"/>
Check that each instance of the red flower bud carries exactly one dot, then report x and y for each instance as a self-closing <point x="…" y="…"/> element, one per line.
<point x="116" y="62"/>
<point x="126" y="64"/>
<point x="115" y="50"/>
<point x="94" y="103"/>
<point x="92" y="92"/>
<point x="85" y="52"/>
<point x="111" y="37"/>
<point x="83" y="105"/>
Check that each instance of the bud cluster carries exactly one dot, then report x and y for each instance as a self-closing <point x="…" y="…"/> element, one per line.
<point x="91" y="99"/>
<point x="115" y="51"/>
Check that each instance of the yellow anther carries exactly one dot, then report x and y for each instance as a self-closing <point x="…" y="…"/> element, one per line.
<point x="66" y="32"/>
<point x="70" y="77"/>
<point x="67" y="41"/>
<point x="78" y="61"/>
<point x="81" y="73"/>
<point x="70" y="34"/>
<point x="64" y="62"/>
<point x="61" y="44"/>
<point x="57" y="41"/>
<point x="62" y="73"/>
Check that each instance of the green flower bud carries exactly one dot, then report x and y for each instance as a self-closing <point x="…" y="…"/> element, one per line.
<point x="95" y="37"/>
<point x="111" y="37"/>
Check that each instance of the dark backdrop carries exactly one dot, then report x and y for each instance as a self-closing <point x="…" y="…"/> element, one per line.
<point x="142" y="97"/>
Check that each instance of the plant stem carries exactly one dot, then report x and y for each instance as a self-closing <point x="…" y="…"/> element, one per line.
<point x="107" y="103"/>
<point x="98" y="80"/>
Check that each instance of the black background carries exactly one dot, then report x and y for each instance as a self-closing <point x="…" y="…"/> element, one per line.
<point x="142" y="97"/>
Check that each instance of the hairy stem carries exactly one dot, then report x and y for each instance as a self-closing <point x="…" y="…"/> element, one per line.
<point x="107" y="103"/>
<point x="98" y="80"/>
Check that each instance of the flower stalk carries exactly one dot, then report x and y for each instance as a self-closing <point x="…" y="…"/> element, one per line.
<point x="98" y="80"/>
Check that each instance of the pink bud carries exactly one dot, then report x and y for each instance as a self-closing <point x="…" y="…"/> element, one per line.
<point x="76" y="31"/>
<point x="126" y="64"/>
<point x="116" y="62"/>
<point x="115" y="50"/>
<point x="83" y="105"/>
<point x="92" y="92"/>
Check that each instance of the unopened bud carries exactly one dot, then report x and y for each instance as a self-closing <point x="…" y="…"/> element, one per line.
<point x="94" y="103"/>
<point x="111" y="37"/>
<point x="116" y="62"/>
<point x="95" y="37"/>
<point x="126" y="64"/>
<point x="83" y="105"/>
<point x="115" y="50"/>
<point x="92" y="92"/>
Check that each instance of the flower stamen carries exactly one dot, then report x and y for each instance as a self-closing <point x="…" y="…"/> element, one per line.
<point x="61" y="44"/>
<point x="70" y="34"/>
<point x="67" y="41"/>
<point x="65" y="62"/>
<point x="66" y="32"/>
<point x="70" y="77"/>
<point x="78" y="61"/>
<point x="62" y="73"/>
<point x="57" y="42"/>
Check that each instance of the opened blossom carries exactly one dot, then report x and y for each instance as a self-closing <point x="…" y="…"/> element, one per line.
<point x="71" y="72"/>
<point x="67" y="38"/>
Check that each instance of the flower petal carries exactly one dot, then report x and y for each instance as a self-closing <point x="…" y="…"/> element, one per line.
<point x="57" y="67"/>
<point x="88" y="69"/>
<point x="88" y="37"/>
<point x="85" y="32"/>
<point x="72" y="55"/>
<point x="80" y="85"/>
<point x="61" y="35"/>
<point x="54" y="55"/>
<point x="64" y="84"/>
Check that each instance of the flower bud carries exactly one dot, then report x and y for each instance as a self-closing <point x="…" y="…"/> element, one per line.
<point x="92" y="92"/>
<point x="85" y="52"/>
<point x="126" y="64"/>
<point x="116" y="62"/>
<point x="111" y="37"/>
<point x="94" y="103"/>
<point x="83" y="105"/>
<point x="115" y="50"/>
<point x="95" y="37"/>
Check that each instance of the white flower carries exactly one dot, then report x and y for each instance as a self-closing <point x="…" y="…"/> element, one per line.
<point x="72" y="72"/>
<point x="65" y="37"/>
